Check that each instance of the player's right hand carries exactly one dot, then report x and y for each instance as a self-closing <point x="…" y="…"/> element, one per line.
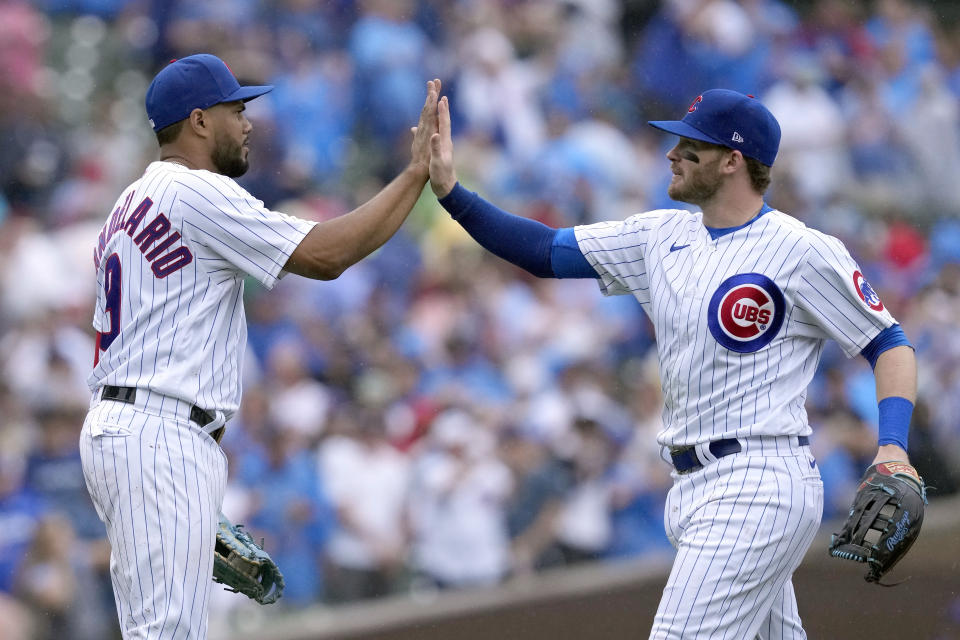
<point x="443" y="177"/>
<point x="426" y="127"/>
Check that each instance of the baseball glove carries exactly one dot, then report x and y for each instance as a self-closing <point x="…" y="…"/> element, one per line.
<point x="243" y="565"/>
<point x="884" y="520"/>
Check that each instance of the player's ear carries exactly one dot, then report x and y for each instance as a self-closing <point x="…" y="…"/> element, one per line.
<point x="733" y="161"/>
<point x="198" y="121"/>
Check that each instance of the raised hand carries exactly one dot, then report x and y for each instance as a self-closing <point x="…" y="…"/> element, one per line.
<point x="443" y="177"/>
<point x="425" y="129"/>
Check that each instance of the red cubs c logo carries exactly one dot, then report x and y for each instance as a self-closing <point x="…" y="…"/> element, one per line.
<point x="693" y="105"/>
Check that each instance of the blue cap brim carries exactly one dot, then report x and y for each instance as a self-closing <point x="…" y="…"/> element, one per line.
<point x="681" y="128"/>
<point x="248" y="93"/>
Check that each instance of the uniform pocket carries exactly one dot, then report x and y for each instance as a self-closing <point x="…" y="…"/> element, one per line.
<point x="813" y="481"/>
<point x="809" y="469"/>
<point x="99" y="429"/>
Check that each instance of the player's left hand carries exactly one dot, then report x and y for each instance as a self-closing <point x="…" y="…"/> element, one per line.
<point x="426" y="127"/>
<point x="884" y="520"/>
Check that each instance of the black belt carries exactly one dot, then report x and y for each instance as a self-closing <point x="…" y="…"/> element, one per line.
<point x="128" y="395"/>
<point x="685" y="459"/>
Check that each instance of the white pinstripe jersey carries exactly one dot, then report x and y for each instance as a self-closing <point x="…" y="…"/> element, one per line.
<point x="171" y="260"/>
<point x="740" y="320"/>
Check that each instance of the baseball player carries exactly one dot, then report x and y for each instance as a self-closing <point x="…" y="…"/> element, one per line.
<point x="743" y="298"/>
<point x="171" y="260"/>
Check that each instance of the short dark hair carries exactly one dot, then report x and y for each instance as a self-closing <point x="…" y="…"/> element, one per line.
<point x="169" y="133"/>
<point x="759" y="175"/>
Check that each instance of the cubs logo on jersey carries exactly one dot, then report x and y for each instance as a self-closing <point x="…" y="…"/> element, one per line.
<point x="866" y="292"/>
<point x="746" y="312"/>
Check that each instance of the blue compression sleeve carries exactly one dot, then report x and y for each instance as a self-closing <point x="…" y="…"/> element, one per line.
<point x="526" y="243"/>
<point x="894" y="423"/>
<point x="886" y="339"/>
<point x="567" y="259"/>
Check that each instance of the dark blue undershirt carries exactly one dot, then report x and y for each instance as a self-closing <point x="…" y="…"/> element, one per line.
<point x="717" y="232"/>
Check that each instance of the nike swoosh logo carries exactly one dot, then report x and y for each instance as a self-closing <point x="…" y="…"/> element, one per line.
<point x="677" y="247"/>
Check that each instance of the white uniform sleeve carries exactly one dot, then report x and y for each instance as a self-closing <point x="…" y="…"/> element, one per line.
<point x="834" y="300"/>
<point x="221" y="216"/>
<point x="616" y="250"/>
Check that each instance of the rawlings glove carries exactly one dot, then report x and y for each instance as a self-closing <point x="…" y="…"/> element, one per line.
<point x="884" y="520"/>
<point x="243" y="565"/>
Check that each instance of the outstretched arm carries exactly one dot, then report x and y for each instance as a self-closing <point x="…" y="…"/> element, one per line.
<point x="336" y="244"/>
<point x="543" y="251"/>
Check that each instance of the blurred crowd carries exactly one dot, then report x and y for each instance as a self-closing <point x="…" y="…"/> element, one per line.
<point x="435" y="418"/>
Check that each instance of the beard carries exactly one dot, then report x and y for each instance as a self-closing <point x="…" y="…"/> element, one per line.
<point x="699" y="187"/>
<point x="228" y="158"/>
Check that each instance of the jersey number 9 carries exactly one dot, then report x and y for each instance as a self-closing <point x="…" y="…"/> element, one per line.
<point x="111" y="294"/>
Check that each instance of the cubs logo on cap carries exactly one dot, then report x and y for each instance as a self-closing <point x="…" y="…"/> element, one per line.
<point x="866" y="292"/>
<point x="746" y="312"/>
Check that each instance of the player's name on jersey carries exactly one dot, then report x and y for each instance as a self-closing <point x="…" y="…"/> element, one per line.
<point x="163" y="256"/>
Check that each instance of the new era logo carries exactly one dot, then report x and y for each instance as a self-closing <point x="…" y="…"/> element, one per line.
<point x="737" y="137"/>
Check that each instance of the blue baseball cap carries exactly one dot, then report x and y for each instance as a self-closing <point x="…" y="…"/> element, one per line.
<point x="195" y="82"/>
<point x="729" y="119"/>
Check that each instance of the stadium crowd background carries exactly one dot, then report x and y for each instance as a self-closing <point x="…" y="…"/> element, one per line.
<point x="435" y="418"/>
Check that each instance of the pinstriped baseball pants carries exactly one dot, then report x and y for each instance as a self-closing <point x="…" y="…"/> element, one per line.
<point x="741" y="526"/>
<point x="157" y="481"/>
